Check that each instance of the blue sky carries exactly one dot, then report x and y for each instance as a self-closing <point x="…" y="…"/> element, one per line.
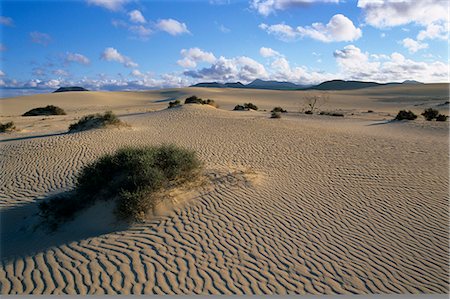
<point x="137" y="44"/>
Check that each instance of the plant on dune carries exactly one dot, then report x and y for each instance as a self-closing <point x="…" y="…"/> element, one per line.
<point x="47" y="110"/>
<point x="250" y="106"/>
<point x="441" y="117"/>
<point x="278" y="109"/>
<point x="196" y="100"/>
<point x="314" y="101"/>
<point x="275" y="114"/>
<point x="403" y="114"/>
<point x="430" y="114"/>
<point x="331" y="113"/>
<point x="132" y="177"/>
<point x="211" y="103"/>
<point x="174" y="104"/>
<point x="7" y="127"/>
<point x="93" y="121"/>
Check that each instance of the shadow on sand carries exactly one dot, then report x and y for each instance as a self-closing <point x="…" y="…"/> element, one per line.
<point x="33" y="137"/>
<point x="23" y="232"/>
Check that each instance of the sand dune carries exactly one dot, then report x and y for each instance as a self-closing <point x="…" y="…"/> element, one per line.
<point x="302" y="204"/>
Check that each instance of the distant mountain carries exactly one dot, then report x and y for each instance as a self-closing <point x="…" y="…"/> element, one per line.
<point x="256" y="84"/>
<point x="411" y="82"/>
<point x="343" y="85"/>
<point x="70" y="88"/>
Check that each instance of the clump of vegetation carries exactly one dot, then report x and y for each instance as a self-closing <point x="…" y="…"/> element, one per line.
<point x="7" y="127"/>
<point x="369" y="111"/>
<point x="246" y="106"/>
<point x="133" y="177"/>
<point x="308" y="112"/>
<point x="441" y="117"/>
<point x="314" y="101"/>
<point x="430" y="114"/>
<point x="275" y="114"/>
<point x="94" y="121"/>
<point x="408" y="115"/>
<point x="278" y="109"/>
<point x="47" y="110"/>
<point x="331" y="113"/>
<point x="174" y="104"/>
<point x="196" y="100"/>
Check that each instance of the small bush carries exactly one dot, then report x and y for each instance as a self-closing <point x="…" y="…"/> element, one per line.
<point x="132" y="177"/>
<point x="308" y="112"/>
<point x="174" y="104"/>
<point x="239" y="108"/>
<point x="275" y="114"/>
<point x="211" y="103"/>
<point x="193" y="100"/>
<point x="278" y="109"/>
<point x="7" y="127"/>
<point x="94" y="121"/>
<point x="250" y="106"/>
<point x="403" y="114"/>
<point x="47" y="110"/>
<point x="331" y="113"/>
<point x="430" y="114"/>
<point x="369" y="111"/>
<point x="441" y="117"/>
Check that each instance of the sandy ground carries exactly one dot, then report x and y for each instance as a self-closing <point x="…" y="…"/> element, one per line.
<point x="302" y="204"/>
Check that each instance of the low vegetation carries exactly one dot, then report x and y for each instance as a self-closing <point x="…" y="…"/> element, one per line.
<point x="47" y="110"/>
<point x="246" y="106"/>
<point x="308" y="112"/>
<point x="278" y="109"/>
<point x="403" y="114"/>
<point x="7" y="127"/>
<point x="441" y="117"/>
<point x="94" y="121"/>
<point x="275" y="114"/>
<point x="331" y="113"/>
<point x="174" y="104"/>
<point x="430" y="114"/>
<point x="132" y="177"/>
<point x="196" y="100"/>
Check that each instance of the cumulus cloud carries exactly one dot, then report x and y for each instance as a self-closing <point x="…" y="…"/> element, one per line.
<point x="78" y="58"/>
<point x="113" y="5"/>
<point x="412" y="45"/>
<point x="231" y="69"/>
<point x="40" y="38"/>
<point x="339" y="28"/>
<point x="268" y="52"/>
<point x="171" y="26"/>
<point x="358" y="65"/>
<point x="194" y="55"/>
<point x="431" y="14"/>
<point x="111" y="54"/>
<point x="136" y="17"/>
<point x="6" y="21"/>
<point x="266" y="7"/>
<point x="2" y="74"/>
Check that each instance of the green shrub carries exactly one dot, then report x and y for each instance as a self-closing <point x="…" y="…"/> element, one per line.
<point x="132" y="177"/>
<point x="174" y="104"/>
<point x="441" y="117"/>
<point x="308" y="112"/>
<point x="430" y="114"/>
<point x="94" y="121"/>
<point x="403" y="114"/>
<point x="211" y="103"/>
<point x="250" y="106"/>
<point x="331" y="113"/>
<point x="193" y="100"/>
<point x="275" y="114"/>
<point x="47" y="110"/>
<point x="278" y="109"/>
<point x="239" y="108"/>
<point x="7" y="127"/>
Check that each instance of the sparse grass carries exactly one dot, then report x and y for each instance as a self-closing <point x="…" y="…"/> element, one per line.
<point x="275" y="114"/>
<point x="278" y="109"/>
<point x="331" y="113"/>
<point x="308" y="112"/>
<point x="94" y="121"/>
<point x="132" y="177"/>
<point x="430" y="114"/>
<point x="47" y="110"/>
<point x="441" y="117"/>
<point x="246" y="106"/>
<point x="408" y="115"/>
<point x="196" y="100"/>
<point x="239" y="108"/>
<point x="211" y="103"/>
<point x="174" y="104"/>
<point x="7" y="127"/>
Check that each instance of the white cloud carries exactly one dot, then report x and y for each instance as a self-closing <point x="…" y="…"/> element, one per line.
<point x="111" y="54"/>
<point x="113" y="5"/>
<point x="413" y="46"/>
<point x="2" y="74"/>
<point x="6" y="21"/>
<point x="40" y="38"/>
<point x="142" y="31"/>
<point x="194" y="55"/>
<point x="136" y="73"/>
<point x="339" y="28"/>
<point x="136" y="17"/>
<point x="78" y="58"/>
<point x="357" y="65"/>
<point x="224" y="29"/>
<point x="434" y="31"/>
<point x="266" y="7"/>
<point x="268" y="52"/>
<point x="231" y="69"/>
<point x="171" y="26"/>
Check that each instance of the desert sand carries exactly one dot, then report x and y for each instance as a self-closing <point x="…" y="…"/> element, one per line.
<point x="305" y="204"/>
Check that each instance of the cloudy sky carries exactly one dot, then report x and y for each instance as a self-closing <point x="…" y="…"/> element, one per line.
<point x="138" y="44"/>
